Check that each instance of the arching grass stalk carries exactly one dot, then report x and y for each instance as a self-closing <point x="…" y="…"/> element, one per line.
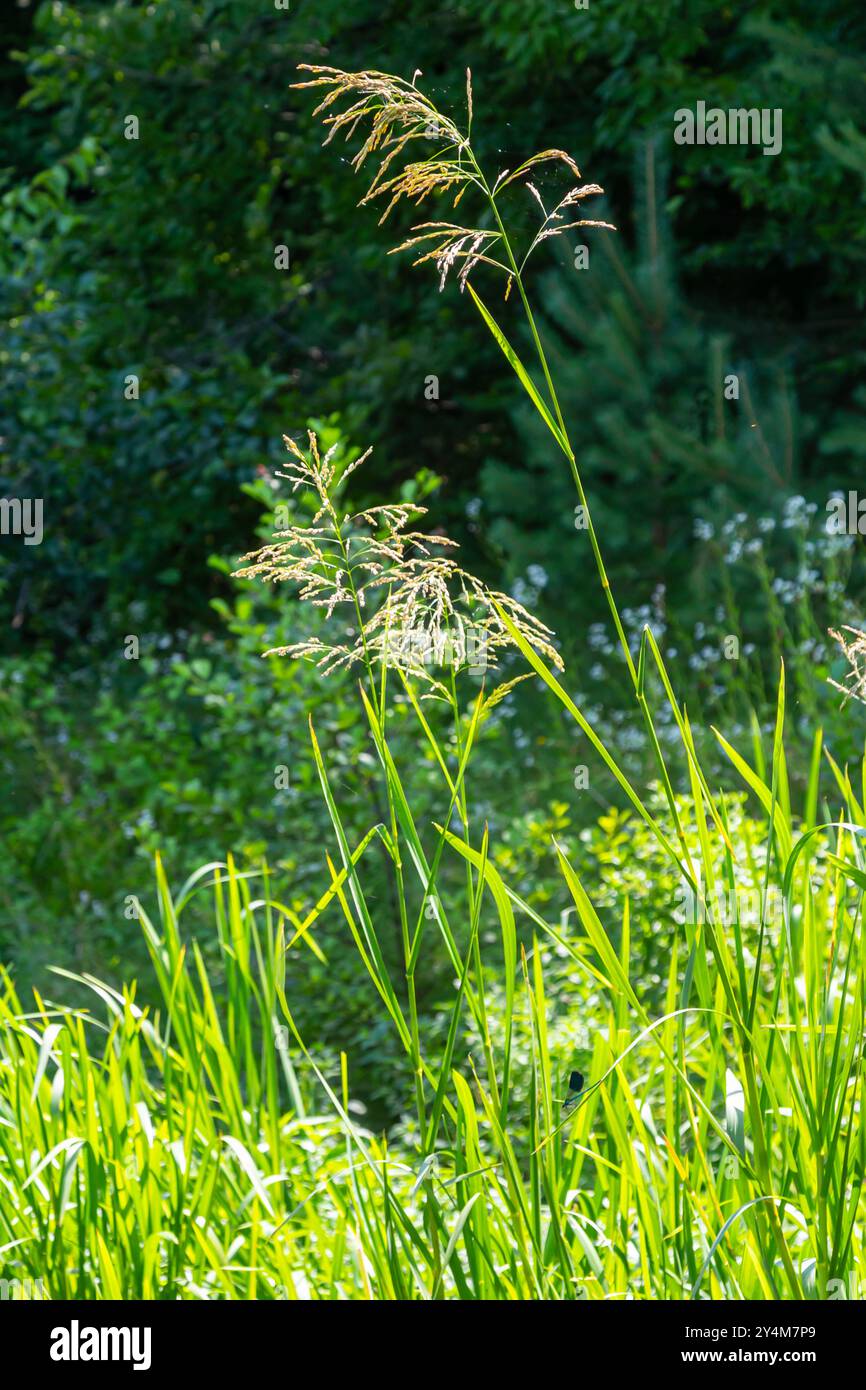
<point x="394" y="114"/>
<point x="398" y="114"/>
<point x="397" y="590"/>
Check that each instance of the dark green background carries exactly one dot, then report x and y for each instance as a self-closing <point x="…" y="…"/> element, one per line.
<point x="156" y="257"/>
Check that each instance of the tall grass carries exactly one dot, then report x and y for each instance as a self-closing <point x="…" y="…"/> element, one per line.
<point x="200" y="1153"/>
<point x="716" y="1149"/>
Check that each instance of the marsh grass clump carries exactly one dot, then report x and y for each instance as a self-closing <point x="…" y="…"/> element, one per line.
<point x="395" y="114"/>
<point x="408" y="606"/>
<point x="774" y="1116"/>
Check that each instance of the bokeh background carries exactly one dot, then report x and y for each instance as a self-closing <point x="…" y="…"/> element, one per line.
<point x="156" y="257"/>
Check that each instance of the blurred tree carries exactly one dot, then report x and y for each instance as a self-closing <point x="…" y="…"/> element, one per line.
<point x="675" y="415"/>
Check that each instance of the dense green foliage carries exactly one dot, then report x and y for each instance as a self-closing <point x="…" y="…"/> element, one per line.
<point x="155" y="256"/>
<point x="218" y="262"/>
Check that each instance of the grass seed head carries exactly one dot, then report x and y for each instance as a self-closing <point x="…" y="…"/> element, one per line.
<point x="411" y="606"/>
<point x="396" y="114"/>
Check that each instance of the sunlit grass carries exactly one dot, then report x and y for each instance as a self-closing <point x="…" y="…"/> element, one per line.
<point x="716" y="1149"/>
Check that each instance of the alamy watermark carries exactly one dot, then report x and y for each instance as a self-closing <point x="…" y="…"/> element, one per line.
<point x="22" y="516"/>
<point x="464" y="647"/>
<point x="26" y="1290"/>
<point x="846" y="516"/>
<point x="77" y="1343"/>
<point x="724" y="906"/>
<point x="736" y="126"/>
